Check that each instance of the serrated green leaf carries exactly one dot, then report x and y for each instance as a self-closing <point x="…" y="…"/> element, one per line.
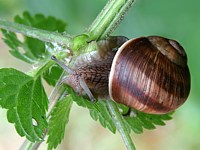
<point x="59" y="119"/>
<point x="26" y="102"/>
<point x="136" y="123"/>
<point x="11" y="82"/>
<point x="13" y="118"/>
<point x="98" y="110"/>
<point x="123" y="109"/>
<point x="156" y="120"/>
<point x="146" y="123"/>
<point x="18" y="49"/>
<point x="105" y="115"/>
<point x="93" y="114"/>
<point x="35" y="46"/>
<point x="141" y="120"/>
<point x="31" y="50"/>
<point x="52" y="75"/>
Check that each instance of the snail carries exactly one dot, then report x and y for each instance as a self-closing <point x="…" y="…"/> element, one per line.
<point x="149" y="74"/>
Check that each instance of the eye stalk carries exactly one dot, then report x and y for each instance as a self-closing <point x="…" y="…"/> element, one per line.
<point x="62" y="65"/>
<point x="82" y="83"/>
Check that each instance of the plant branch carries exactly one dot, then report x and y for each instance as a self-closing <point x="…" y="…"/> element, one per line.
<point x="121" y="127"/>
<point x="42" y="35"/>
<point x="109" y="18"/>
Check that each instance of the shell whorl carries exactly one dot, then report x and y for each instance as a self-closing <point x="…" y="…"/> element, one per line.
<point x="170" y="48"/>
<point x="150" y="74"/>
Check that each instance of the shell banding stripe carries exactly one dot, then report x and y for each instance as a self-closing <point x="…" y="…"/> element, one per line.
<point x="157" y="81"/>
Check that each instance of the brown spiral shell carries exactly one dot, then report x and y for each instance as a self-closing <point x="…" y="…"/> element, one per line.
<point x="150" y="74"/>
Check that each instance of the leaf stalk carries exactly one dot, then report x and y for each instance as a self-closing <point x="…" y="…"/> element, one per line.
<point x="40" y="34"/>
<point x="120" y="124"/>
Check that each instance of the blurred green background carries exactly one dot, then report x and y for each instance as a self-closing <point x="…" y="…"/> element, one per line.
<point x="176" y="19"/>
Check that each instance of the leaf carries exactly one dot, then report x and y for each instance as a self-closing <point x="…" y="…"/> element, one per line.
<point x="139" y="120"/>
<point x="102" y="113"/>
<point x="136" y="121"/>
<point x="59" y="119"/>
<point x="98" y="111"/>
<point x="33" y="50"/>
<point x="18" y="48"/>
<point x="52" y="74"/>
<point x="26" y="101"/>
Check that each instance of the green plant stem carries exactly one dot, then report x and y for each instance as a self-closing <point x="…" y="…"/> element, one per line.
<point x="109" y="18"/>
<point x="42" y="35"/>
<point x="121" y="127"/>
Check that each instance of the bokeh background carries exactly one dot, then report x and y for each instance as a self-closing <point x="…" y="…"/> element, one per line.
<point x="176" y="19"/>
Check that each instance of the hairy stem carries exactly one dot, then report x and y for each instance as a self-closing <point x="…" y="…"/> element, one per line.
<point x="109" y="18"/>
<point x="121" y="127"/>
<point x="42" y="35"/>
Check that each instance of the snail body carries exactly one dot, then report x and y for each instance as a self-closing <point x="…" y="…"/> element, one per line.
<point x="94" y="68"/>
<point x="149" y="74"/>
